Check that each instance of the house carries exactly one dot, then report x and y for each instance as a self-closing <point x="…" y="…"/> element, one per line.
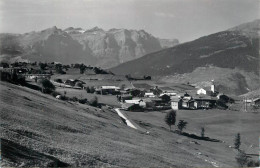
<point x="125" y="97"/>
<point x="132" y="107"/>
<point x="204" y="101"/>
<point x="256" y="101"/>
<point x="176" y="103"/>
<point x="189" y="104"/>
<point x="207" y="90"/>
<point x="167" y="91"/>
<point x="204" y="91"/>
<point x="109" y="90"/>
<point x="149" y="94"/>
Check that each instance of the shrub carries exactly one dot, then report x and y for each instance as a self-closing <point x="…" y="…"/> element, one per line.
<point x="237" y="141"/>
<point x="252" y="163"/>
<point x="83" y="101"/>
<point x="170" y="118"/>
<point x="182" y="125"/>
<point x="74" y="99"/>
<point x="58" y="80"/>
<point x="241" y="159"/>
<point x="94" y="101"/>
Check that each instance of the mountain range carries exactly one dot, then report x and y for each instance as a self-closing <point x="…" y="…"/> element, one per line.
<point x="233" y="53"/>
<point x="75" y="45"/>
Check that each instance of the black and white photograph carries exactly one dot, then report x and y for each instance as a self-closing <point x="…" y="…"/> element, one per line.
<point x="130" y="83"/>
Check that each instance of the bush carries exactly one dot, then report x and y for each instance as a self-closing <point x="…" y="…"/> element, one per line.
<point x="94" y="102"/>
<point x="182" y="125"/>
<point x="74" y="99"/>
<point x="170" y="118"/>
<point x="252" y="163"/>
<point x="83" y="101"/>
<point x="241" y="159"/>
<point x="58" y="80"/>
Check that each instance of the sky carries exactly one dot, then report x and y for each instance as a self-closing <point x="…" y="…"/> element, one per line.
<point x="185" y="20"/>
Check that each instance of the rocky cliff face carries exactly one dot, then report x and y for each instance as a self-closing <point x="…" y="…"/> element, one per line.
<point x="117" y="46"/>
<point x="75" y="45"/>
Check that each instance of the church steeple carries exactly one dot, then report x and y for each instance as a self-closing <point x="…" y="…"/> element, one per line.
<point x="212" y="86"/>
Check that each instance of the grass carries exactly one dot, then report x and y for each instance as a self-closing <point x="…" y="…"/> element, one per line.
<point x="81" y="135"/>
<point x="221" y="125"/>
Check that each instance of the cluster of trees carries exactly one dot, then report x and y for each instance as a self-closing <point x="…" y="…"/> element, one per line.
<point x="129" y="77"/>
<point x="12" y="78"/>
<point x="59" y="69"/>
<point x="170" y="119"/>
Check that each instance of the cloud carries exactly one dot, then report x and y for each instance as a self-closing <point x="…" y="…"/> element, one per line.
<point x="165" y="15"/>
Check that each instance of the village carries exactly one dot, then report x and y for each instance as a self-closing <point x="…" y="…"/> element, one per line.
<point x="128" y="93"/>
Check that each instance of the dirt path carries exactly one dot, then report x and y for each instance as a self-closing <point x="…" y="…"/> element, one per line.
<point x="128" y="123"/>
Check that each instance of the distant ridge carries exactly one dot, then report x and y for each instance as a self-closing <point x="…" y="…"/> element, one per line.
<point x="236" y="48"/>
<point x="77" y="45"/>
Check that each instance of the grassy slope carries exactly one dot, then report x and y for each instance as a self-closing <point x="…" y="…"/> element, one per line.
<point x="219" y="124"/>
<point x="80" y="135"/>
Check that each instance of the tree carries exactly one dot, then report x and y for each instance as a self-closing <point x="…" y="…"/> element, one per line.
<point x="202" y="132"/>
<point x="82" y="68"/>
<point x="181" y="125"/>
<point x="92" y="89"/>
<point x="47" y="86"/>
<point x="170" y="118"/>
<point x="237" y="141"/>
<point x="88" y="89"/>
<point x="241" y="158"/>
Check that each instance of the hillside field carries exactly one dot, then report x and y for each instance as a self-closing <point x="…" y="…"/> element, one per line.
<point x="39" y="130"/>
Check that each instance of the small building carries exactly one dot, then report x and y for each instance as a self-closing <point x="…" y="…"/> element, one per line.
<point x="132" y="107"/>
<point x="109" y="90"/>
<point x="176" y="103"/>
<point x="125" y="97"/>
<point x="205" y="101"/>
<point x="257" y="101"/>
<point x="207" y="90"/>
<point x="204" y="91"/>
<point x="149" y="94"/>
<point x="133" y="101"/>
